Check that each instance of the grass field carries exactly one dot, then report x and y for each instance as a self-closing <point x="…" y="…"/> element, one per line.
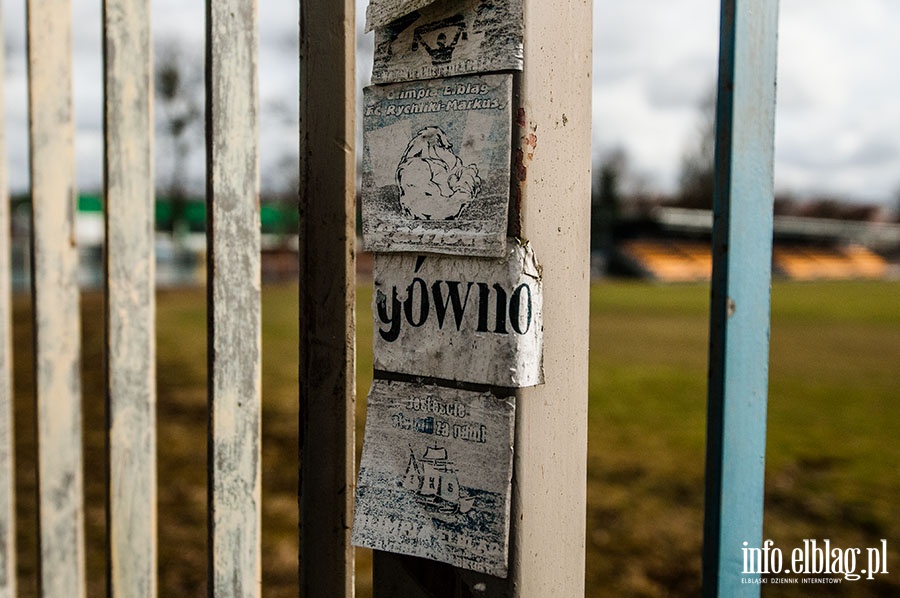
<point x="833" y="447"/>
<point x="833" y="463"/>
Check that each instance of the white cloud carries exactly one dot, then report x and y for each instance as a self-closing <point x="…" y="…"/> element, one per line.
<point x="837" y="114"/>
<point x="655" y="60"/>
<point x="837" y="111"/>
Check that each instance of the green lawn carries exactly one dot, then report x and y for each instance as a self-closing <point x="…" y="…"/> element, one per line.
<point x="833" y="448"/>
<point x="833" y="444"/>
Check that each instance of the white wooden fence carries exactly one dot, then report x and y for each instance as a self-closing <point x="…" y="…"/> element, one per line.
<point x="551" y="139"/>
<point x="234" y="322"/>
<point x="549" y="474"/>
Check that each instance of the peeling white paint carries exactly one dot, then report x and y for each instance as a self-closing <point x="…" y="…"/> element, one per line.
<point x="56" y="311"/>
<point x="130" y="288"/>
<point x="233" y="263"/>
<point x="7" y="427"/>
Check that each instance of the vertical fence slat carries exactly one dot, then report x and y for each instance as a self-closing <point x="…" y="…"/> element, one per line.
<point x="549" y="483"/>
<point x="7" y="440"/>
<point x="739" y="309"/>
<point x="327" y="295"/>
<point x="55" y="285"/>
<point x="130" y="303"/>
<point x="233" y="266"/>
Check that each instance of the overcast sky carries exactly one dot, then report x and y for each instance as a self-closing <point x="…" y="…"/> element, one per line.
<point x="837" y="123"/>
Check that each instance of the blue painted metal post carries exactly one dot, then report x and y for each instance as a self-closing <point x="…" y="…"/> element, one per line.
<point x="739" y="318"/>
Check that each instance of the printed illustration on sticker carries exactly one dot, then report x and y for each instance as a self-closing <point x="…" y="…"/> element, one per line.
<point x="439" y="39"/>
<point x="436" y="164"/>
<point x="435" y="475"/>
<point x="434" y="183"/>
<point x="433" y="481"/>
<point x="447" y="38"/>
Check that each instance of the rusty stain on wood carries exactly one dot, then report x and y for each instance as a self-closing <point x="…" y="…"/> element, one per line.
<point x="548" y="487"/>
<point x="448" y="38"/>
<point x="436" y="162"/>
<point x="130" y="303"/>
<point x="435" y="475"/>
<point x="7" y="440"/>
<point x="55" y="285"/>
<point x="233" y="266"/>
<point x="466" y="319"/>
<point x="525" y="135"/>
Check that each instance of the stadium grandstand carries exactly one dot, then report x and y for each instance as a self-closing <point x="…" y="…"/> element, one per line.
<point x="673" y="245"/>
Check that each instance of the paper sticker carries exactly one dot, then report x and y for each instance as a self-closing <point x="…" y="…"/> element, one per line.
<point x="449" y="38"/>
<point x="436" y="164"/>
<point x="382" y="12"/>
<point x="464" y="319"/>
<point x="434" y="479"/>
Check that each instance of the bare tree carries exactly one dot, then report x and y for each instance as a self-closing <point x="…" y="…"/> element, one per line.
<point x="697" y="178"/>
<point x="180" y="96"/>
<point x="897" y="205"/>
<point x="606" y="197"/>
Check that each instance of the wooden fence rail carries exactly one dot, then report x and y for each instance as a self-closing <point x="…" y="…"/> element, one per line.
<point x="233" y="286"/>
<point x="234" y="322"/>
<point x="739" y="307"/>
<point x="7" y="443"/>
<point x="327" y="392"/>
<point x="546" y="546"/>
<point x="57" y="327"/>
<point x="130" y="300"/>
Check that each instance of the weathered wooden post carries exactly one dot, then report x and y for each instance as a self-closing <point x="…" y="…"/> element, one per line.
<point x="130" y="299"/>
<point x="233" y="287"/>
<point x="327" y="295"/>
<point x="7" y="427"/>
<point x="739" y="312"/>
<point x="481" y="297"/>
<point x="547" y="556"/>
<point x="57" y="322"/>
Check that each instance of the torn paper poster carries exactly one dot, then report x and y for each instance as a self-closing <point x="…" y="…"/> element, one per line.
<point x="381" y="12"/>
<point x="450" y="37"/>
<point x="434" y="479"/>
<point x="436" y="166"/>
<point x="466" y="319"/>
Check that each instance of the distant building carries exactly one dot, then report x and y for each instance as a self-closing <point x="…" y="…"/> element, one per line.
<point x="674" y="245"/>
<point x="179" y="261"/>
